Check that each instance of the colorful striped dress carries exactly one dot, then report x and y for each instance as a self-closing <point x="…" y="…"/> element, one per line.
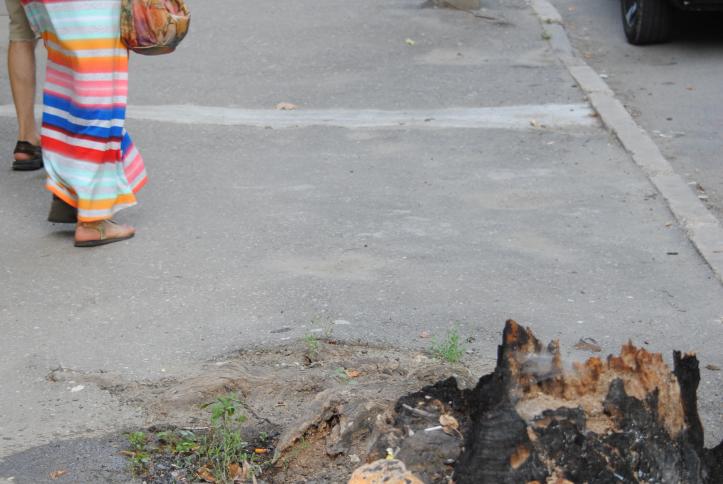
<point x="92" y="163"/>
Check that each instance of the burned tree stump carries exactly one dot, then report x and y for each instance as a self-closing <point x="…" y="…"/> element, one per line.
<point x="626" y="419"/>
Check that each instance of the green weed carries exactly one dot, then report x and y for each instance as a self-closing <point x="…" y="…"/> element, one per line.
<point x="223" y="444"/>
<point x="215" y="450"/>
<point x="139" y="454"/>
<point x="312" y="346"/>
<point x="451" y="349"/>
<point x="178" y="442"/>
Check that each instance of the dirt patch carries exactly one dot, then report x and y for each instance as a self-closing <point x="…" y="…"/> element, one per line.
<point x="319" y="407"/>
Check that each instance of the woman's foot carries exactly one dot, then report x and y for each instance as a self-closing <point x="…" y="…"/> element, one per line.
<point x="92" y="234"/>
<point x="27" y="157"/>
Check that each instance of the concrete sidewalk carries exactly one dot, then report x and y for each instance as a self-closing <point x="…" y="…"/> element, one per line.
<point x="245" y="230"/>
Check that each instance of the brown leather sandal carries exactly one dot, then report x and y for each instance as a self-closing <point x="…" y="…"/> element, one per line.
<point x="35" y="154"/>
<point x="103" y="240"/>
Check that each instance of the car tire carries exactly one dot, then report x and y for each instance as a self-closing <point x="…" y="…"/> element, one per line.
<point x="647" y="21"/>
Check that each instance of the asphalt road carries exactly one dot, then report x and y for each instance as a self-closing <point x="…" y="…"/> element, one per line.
<point x="244" y="230"/>
<point x="673" y="90"/>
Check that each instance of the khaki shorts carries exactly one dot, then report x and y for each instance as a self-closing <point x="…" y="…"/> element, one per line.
<point x="20" y="30"/>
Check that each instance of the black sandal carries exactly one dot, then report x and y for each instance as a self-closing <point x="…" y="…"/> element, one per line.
<point x="35" y="162"/>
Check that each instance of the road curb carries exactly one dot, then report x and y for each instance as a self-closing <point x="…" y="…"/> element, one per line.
<point x="701" y="227"/>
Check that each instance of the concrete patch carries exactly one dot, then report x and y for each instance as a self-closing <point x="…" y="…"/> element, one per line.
<point x="504" y="117"/>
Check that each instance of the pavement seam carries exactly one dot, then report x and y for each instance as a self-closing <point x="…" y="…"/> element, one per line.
<point x="700" y="225"/>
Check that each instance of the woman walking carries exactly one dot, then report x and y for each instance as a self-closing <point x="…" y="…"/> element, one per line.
<point x="92" y="164"/>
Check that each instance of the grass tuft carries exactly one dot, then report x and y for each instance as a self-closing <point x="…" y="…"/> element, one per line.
<point x="450" y="349"/>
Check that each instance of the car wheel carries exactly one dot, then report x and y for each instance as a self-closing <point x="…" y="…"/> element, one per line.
<point x="647" y="21"/>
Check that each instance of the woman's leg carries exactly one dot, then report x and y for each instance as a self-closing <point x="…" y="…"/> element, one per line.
<point x="91" y="162"/>
<point x="21" y="70"/>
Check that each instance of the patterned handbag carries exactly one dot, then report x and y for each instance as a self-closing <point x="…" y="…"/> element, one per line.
<point x="154" y="27"/>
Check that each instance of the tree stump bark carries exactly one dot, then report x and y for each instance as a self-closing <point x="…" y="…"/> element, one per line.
<point x="625" y="419"/>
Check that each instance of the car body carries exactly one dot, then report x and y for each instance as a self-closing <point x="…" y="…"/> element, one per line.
<point x="698" y="5"/>
<point x="651" y="21"/>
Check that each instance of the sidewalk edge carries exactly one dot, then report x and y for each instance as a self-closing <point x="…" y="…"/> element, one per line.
<point x="702" y="227"/>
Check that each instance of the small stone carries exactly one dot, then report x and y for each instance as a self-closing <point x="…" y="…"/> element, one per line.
<point x="286" y="106"/>
<point x="386" y="471"/>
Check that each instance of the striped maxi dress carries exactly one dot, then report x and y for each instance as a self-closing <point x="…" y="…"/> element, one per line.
<point x="91" y="162"/>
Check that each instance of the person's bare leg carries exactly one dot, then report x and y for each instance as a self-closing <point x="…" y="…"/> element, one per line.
<point x="21" y="69"/>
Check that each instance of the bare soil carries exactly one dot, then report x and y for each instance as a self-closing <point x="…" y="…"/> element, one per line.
<point x="319" y="408"/>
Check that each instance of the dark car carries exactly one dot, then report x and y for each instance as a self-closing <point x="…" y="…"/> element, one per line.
<point x="651" y="21"/>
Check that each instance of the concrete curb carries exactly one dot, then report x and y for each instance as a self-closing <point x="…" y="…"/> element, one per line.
<point x="701" y="227"/>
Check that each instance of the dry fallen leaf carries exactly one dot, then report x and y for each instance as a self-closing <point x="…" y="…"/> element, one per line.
<point x="450" y="425"/>
<point x="352" y="373"/>
<point x="58" y="474"/>
<point x="235" y="472"/>
<point x="448" y="421"/>
<point x="425" y="334"/>
<point x="713" y="367"/>
<point x="205" y="474"/>
<point x="588" y="344"/>
<point x="286" y="106"/>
